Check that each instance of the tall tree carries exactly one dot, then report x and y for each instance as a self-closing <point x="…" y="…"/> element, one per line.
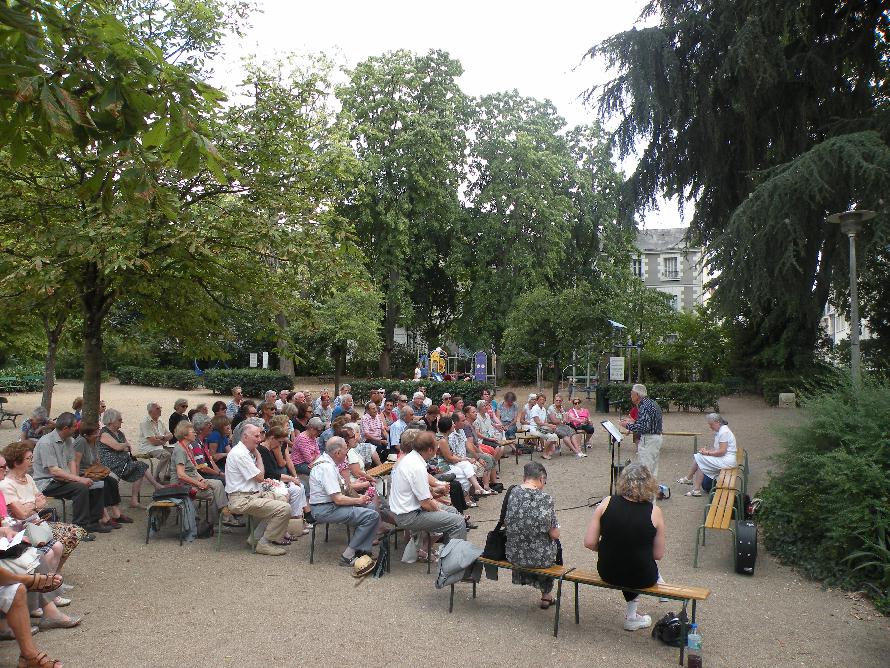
<point x="521" y="210"/>
<point x="406" y="116"/>
<point x="769" y="116"/>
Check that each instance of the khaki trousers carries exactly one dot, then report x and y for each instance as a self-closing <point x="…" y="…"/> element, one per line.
<point x="265" y="506"/>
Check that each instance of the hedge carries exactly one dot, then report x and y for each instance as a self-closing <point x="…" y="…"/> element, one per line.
<point x="683" y="395"/>
<point x="179" y="379"/>
<point x="469" y="390"/>
<point x="254" y="382"/>
<point x="772" y="386"/>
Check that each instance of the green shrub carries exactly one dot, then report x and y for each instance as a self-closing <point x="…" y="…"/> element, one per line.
<point x="826" y="510"/>
<point x="179" y="379"/>
<point x="471" y="391"/>
<point x="701" y="396"/>
<point x="772" y="386"/>
<point x="254" y="382"/>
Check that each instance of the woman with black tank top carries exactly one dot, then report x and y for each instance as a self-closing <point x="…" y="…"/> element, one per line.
<point x="628" y="532"/>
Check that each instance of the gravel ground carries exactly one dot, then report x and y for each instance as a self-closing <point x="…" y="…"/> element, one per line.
<point x="165" y="605"/>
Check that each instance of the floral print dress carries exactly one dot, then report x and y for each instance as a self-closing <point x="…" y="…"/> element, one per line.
<point x="530" y="516"/>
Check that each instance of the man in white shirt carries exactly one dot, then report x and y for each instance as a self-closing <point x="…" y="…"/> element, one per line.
<point x="283" y="396"/>
<point x="330" y="505"/>
<point x="244" y="473"/>
<point x="153" y="435"/>
<point x="411" y="500"/>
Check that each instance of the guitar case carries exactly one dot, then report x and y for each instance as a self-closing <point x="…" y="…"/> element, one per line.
<point x="746" y="547"/>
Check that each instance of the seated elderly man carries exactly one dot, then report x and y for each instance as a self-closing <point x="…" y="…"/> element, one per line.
<point x="345" y="406"/>
<point x="418" y="403"/>
<point x="56" y="475"/>
<point x="36" y="426"/>
<point x="330" y="505"/>
<point x="411" y="499"/>
<point x="373" y="426"/>
<point x="345" y="389"/>
<point x="244" y="476"/>
<point x="406" y="417"/>
<point x="152" y="437"/>
<point x="283" y="396"/>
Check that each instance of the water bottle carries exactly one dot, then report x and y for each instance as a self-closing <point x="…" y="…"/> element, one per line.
<point x="693" y="648"/>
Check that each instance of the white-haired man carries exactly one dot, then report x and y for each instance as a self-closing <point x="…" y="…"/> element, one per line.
<point x="244" y="476"/>
<point x="648" y="425"/>
<point x="153" y="436"/>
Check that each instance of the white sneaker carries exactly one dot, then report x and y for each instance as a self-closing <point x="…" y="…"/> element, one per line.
<point x="638" y="622"/>
<point x="580" y="455"/>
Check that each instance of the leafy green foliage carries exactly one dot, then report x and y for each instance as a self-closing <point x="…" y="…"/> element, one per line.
<point x="697" y="348"/>
<point x="180" y="379"/>
<point x="825" y="510"/>
<point x="769" y="116"/>
<point x="772" y="386"/>
<point x="254" y="382"/>
<point x="701" y="396"/>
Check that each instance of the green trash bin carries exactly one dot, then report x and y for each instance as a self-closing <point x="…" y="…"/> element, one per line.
<point x="602" y="399"/>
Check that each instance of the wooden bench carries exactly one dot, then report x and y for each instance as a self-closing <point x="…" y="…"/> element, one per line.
<point x="558" y="573"/>
<point x="525" y="437"/>
<point x="719" y="515"/>
<point x="381" y="471"/>
<point x="8" y="415"/>
<point x="676" y="592"/>
<point x="157" y="506"/>
<point x="219" y="525"/>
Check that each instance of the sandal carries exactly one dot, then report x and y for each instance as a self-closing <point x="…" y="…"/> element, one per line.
<point x="684" y="481"/>
<point x="472" y="504"/>
<point x="693" y="492"/>
<point x="284" y="542"/>
<point x="70" y="623"/>
<point x="44" y="582"/>
<point x="41" y="660"/>
<point x="546" y="603"/>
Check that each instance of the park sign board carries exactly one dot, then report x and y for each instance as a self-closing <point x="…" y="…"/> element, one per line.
<point x="616" y="368"/>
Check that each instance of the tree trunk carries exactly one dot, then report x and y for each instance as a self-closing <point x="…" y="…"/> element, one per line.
<point x="557" y="376"/>
<point x="339" y="353"/>
<point x="389" y="325"/>
<point x="95" y="299"/>
<point x="53" y="334"/>
<point x="285" y="363"/>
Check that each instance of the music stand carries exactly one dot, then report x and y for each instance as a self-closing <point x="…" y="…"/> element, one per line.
<point x="615" y="438"/>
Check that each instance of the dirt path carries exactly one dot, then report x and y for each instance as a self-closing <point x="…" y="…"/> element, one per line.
<point x="162" y="605"/>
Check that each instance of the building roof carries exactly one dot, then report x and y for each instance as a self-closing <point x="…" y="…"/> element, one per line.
<point x="663" y="239"/>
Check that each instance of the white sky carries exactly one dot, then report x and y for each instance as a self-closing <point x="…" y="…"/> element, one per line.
<point x="536" y="48"/>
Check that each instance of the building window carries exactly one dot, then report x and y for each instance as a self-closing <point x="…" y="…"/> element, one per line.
<point x="637" y="267"/>
<point x="671" y="270"/>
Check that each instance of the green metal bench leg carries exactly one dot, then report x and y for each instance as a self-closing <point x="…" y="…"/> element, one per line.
<point x="699" y="533"/>
<point x="694" y="444"/>
<point x="474" y="589"/>
<point x="219" y="532"/>
<point x="429" y="552"/>
<point x="577" y="615"/>
<point x="683" y="628"/>
<point x="312" y="545"/>
<point x="558" y="604"/>
<point x="181" y="513"/>
<point x="148" y="527"/>
<point x="451" y="599"/>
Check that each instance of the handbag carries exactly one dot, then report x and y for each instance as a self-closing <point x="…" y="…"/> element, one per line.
<point x="97" y="472"/>
<point x="496" y="540"/>
<point x="174" y="492"/>
<point x="38" y="534"/>
<point x="25" y="563"/>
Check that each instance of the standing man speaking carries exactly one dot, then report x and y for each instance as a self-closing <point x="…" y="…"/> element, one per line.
<point x="648" y="425"/>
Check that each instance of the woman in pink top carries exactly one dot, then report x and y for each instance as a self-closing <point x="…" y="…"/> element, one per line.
<point x="579" y="418"/>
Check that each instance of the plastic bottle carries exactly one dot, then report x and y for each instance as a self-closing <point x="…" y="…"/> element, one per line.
<point x="693" y="648"/>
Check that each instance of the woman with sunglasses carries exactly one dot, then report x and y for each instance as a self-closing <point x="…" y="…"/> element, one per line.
<point x="579" y="419"/>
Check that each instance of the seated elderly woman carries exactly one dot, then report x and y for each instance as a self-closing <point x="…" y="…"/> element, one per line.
<point x="24" y="500"/>
<point x="708" y="462"/>
<point x="47" y="604"/>
<point x="14" y="605"/>
<point x="36" y="426"/>
<point x="628" y="532"/>
<point x="294" y="492"/>
<point x="508" y="412"/>
<point x="452" y="458"/>
<point x="204" y="460"/>
<point x="532" y="530"/>
<point x="219" y="440"/>
<point x="184" y="471"/>
<point x="86" y="460"/>
<point x="115" y="453"/>
<point x="536" y="423"/>
<point x="557" y="418"/>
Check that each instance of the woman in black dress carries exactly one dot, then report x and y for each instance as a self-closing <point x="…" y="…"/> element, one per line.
<point x="628" y="532"/>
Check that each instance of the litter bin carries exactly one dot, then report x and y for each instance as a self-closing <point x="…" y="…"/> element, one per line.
<point x="602" y="399"/>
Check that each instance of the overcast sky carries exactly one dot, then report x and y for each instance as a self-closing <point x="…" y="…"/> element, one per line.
<point x="536" y="48"/>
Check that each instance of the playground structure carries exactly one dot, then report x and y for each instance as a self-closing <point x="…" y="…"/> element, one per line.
<point x="437" y="364"/>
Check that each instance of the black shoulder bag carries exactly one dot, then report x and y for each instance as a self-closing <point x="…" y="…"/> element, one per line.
<point x="496" y="541"/>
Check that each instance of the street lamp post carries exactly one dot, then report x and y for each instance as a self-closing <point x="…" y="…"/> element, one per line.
<point x="851" y="224"/>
